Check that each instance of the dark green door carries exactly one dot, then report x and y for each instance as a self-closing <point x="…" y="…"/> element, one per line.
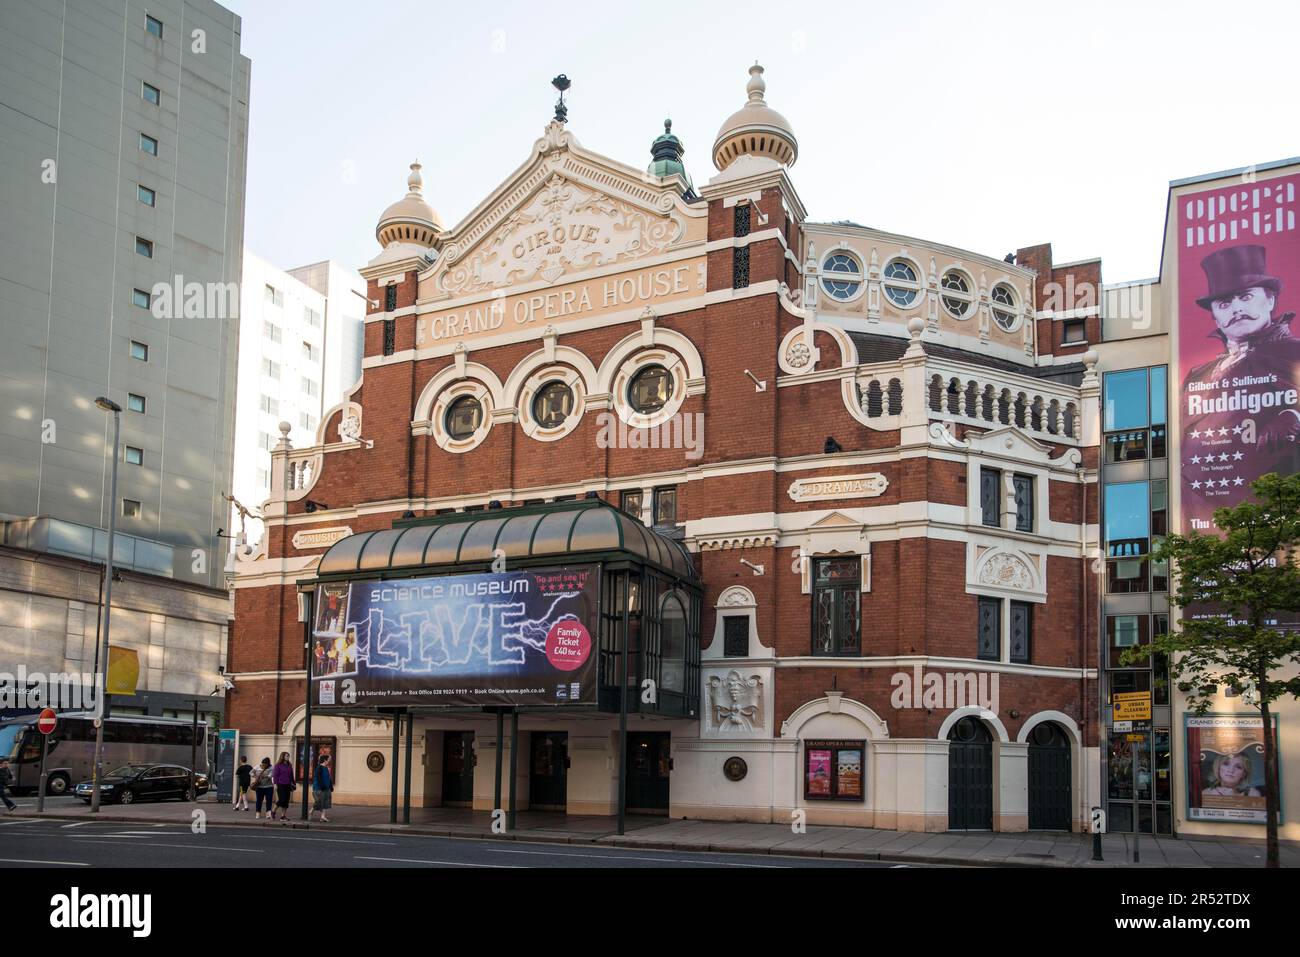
<point x="458" y="768"/>
<point x="648" y="763"/>
<point x="1049" y="778"/>
<point x="970" y="776"/>
<point x="548" y="771"/>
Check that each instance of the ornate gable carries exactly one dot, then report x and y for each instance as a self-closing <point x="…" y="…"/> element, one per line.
<point x="565" y="211"/>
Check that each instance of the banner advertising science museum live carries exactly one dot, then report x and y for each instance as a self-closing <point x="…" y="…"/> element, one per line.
<point x="1239" y="361"/>
<point x="509" y="638"/>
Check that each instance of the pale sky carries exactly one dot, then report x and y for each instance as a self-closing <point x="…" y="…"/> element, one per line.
<point x="986" y="126"/>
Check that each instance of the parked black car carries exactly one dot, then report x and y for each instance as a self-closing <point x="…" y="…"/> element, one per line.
<point x="145" y="782"/>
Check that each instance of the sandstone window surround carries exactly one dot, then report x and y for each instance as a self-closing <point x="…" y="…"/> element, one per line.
<point x="842" y="276"/>
<point x="902" y="282"/>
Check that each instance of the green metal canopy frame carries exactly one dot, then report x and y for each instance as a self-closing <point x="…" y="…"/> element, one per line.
<point x="575" y="532"/>
<point x="582" y="531"/>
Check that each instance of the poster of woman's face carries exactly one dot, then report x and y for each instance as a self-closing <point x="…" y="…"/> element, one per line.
<point x="1225" y="761"/>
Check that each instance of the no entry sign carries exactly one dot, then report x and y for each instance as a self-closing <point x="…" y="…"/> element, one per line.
<point x="47" y="721"/>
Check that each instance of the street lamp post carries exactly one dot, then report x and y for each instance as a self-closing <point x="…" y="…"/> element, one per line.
<point x="101" y="672"/>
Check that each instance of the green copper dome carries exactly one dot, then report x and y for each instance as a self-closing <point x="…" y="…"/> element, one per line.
<point x="666" y="152"/>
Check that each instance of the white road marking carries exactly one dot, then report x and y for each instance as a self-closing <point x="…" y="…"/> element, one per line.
<point x="189" y="847"/>
<point x="22" y="860"/>
<point x="404" y="860"/>
<point x="324" y="840"/>
<point x="26" y="820"/>
<point x="79" y="824"/>
<point x="628" y="857"/>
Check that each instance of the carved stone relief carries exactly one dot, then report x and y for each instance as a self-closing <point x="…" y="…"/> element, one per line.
<point x="735" y="702"/>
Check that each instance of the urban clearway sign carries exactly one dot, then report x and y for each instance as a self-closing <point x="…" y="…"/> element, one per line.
<point x="821" y="489"/>
<point x="1132" y="706"/>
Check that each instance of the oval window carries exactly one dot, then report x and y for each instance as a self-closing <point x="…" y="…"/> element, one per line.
<point x="552" y="405"/>
<point x="650" y="389"/>
<point x="464" y="417"/>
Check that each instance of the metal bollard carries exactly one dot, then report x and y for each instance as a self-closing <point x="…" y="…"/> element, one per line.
<point x="1098" y="826"/>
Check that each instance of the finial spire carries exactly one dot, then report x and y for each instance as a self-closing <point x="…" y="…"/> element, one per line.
<point x="415" y="182"/>
<point x="561" y="83"/>
<point x="756" y="86"/>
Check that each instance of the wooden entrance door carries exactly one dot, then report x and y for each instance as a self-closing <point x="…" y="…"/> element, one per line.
<point x="1049" y="778"/>
<point x="548" y="774"/>
<point x="458" y="768"/>
<point x="970" y="776"/>
<point x="648" y="763"/>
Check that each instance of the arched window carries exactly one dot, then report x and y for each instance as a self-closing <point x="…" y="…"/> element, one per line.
<point x="672" y="645"/>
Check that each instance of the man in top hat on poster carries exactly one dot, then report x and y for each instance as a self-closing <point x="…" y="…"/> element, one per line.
<point x="1259" y="356"/>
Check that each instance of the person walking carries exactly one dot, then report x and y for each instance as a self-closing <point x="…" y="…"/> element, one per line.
<point x="322" y="788"/>
<point x="6" y="776"/>
<point x="243" y="782"/>
<point x="264" y="788"/>
<point x="282" y="778"/>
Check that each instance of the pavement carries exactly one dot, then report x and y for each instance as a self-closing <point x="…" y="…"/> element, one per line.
<point x="967" y="849"/>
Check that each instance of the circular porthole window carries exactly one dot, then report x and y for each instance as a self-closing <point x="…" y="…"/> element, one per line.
<point x="841" y="276"/>
<point x="1004" y="307"/>
<point x="901" y="285"/>
<point x="650" y="389"/>
<point x="464" y="416"/>
<point x="552" y="405"/>
<point x="958" y="301"/>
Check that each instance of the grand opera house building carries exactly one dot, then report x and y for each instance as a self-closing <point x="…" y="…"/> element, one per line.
<point x="822" y="501"/>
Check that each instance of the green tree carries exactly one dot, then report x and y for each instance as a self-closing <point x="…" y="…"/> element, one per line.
<point x="1238" y="584"/>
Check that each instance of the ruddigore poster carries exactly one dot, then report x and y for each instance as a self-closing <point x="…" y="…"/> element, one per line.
<point x="509" y="638"/>
<point x="1239" y="360"/>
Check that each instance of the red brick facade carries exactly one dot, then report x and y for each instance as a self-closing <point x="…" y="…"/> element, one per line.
<point x="922" y="539"/>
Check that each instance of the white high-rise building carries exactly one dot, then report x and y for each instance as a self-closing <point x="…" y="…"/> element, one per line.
<point x="300" y="344"/>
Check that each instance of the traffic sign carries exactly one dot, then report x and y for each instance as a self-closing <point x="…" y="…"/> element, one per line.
<point x="47" y="722"/>
<point x="1132" y="706"/>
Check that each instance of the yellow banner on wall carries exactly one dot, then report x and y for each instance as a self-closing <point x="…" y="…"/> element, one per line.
<point x="123" y="670"/>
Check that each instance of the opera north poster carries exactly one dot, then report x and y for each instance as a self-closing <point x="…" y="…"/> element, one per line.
<point x="1238" y="357"/>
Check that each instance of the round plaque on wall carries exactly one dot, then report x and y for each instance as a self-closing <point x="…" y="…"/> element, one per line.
<point x="735" y="768"/>
<point x="375" y="761"/>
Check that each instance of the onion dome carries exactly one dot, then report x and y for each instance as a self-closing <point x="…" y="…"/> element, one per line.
<point x="666" y="152"/>
<point x="411" y="219"/>
<point x="755" y="129"/>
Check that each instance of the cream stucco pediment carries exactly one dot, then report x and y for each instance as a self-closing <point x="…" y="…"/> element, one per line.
<point x="1011" y="442"/>
<point x="565" y="211"/>
<point x="835" y="520"/>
